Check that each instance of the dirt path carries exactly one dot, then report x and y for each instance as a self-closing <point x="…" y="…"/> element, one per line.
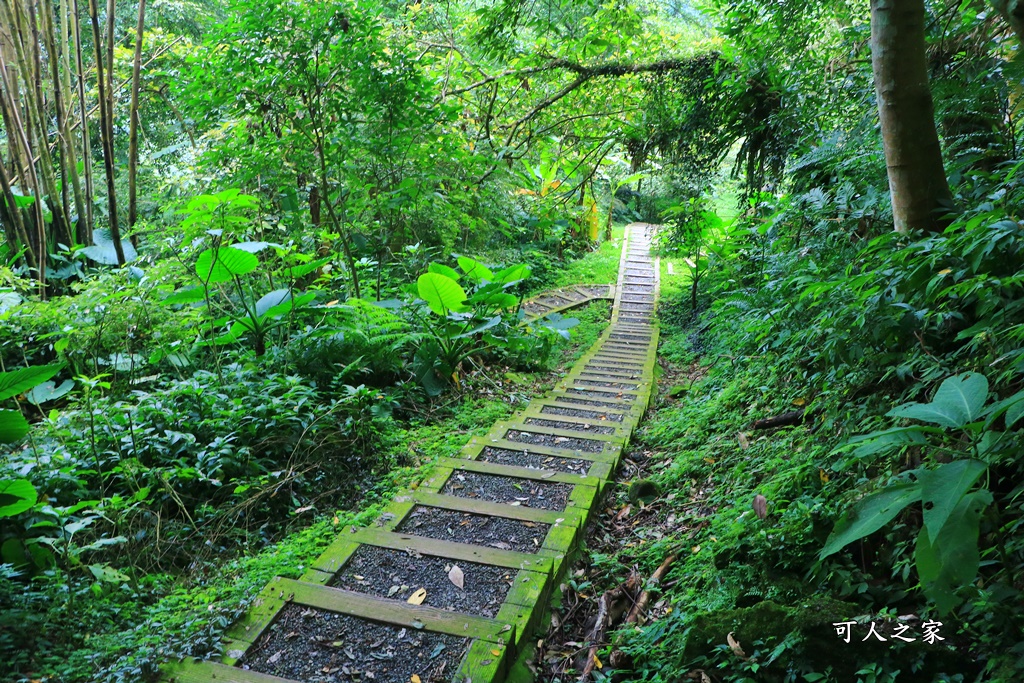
<point x="452" y="581"/>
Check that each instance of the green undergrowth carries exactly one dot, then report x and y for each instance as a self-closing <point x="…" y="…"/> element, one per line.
<point x="598" y="267"/>
<point x="187" y="616"/>
<point x="137" y="627"/>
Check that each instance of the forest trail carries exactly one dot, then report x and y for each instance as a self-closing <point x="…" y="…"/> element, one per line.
<point x="454" y="577"/>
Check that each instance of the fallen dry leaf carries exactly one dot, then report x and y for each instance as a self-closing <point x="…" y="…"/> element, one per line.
<point x="623" y="513"/>
<point x="418" y="597"/>
<point x="456" y="576"/>
<point x="734" y="645"/>
<point x="744" y="444"/>
<point x="414" y="679"/>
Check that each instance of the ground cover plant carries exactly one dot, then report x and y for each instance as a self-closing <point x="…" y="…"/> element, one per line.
<point x="262" y="263"/>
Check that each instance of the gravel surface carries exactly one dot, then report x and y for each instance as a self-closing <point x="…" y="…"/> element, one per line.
<point x="586" y="414"/>
<point x="573" y="426"/>
<point x="537" y="461"/>
<point x="590" y="402"/>
<point x="637" y="298"/>
<point x="596" y="372"/>
<point x="543" y="495"/>
<point x="397" y="574"/>
<point x="570" y="442"/>
<point x="467" y="527"/>
<point x="594" y="393"/>
<point x="316" y="646"/>
<point x="610" y="385"/>
<point x="595" y="291"/>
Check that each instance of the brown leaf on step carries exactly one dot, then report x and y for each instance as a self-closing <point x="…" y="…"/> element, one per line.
<point x="418" y="597"/>
<point x="744" y="444"/>
<point x="456" y="576"/>
<point x="501" y="545"/>
<point x="734" y="645"/>
<point x="275" y="658"/>
<point x="760" y="506"/>
<point x="623" y="513"/>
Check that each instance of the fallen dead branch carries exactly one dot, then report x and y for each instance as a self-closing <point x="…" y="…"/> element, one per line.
<point x="645" y="597"/>
<point x="610" y="607"/>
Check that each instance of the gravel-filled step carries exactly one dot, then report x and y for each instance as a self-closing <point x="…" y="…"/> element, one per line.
<point x="314" y="645"/>
<point x="542" y="495"/>
<point x="572" y="426"/>
<point x="596" y="393"/>
<point x="569" y="442"/>
<point x="595" y="291"/>
<point x="397" y="574"/>
<point x="581" y="413"/>
<point x="576" y="400"/>
<point x="536" y="461"/>
<point x="616" y="374"/>
<point x="469" y="527"/>
<point x="609" y="385"/>
<point x="597" y="372"/>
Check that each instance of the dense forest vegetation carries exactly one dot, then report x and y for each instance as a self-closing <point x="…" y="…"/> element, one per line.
<point x="264" y="261"/>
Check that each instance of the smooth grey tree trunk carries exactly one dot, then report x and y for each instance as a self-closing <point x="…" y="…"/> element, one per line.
<point x="917" y="179"/>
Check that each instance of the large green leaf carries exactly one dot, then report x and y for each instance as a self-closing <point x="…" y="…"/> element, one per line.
<point x="49" y="391"/>
<point x="474" y="270"/>
<point x="268" y="301"/>
<point x="442" y="269"/>
<point x="17" y="381"/>
<point x="1012" y="407"/>
<point x="958" y="402"/>
<point x="870" y="515"/>
<point x="944" y="488"/>
<point x="950" y="560"/>
<point x="16" y="496"/>
<point x="441" y="293"/>
<point x="512" y="274"/>
<point x="224" y="263"/>
<point x="102" y="251"/>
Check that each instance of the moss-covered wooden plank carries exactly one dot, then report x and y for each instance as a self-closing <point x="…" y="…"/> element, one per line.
<point x="496" y="469"/>
<point x="486" y="507"/>
<point x="390" y="611"/>
<point x="191" y="671"/>
<point x="547" y="450"/>
<point x="484" y="662"/>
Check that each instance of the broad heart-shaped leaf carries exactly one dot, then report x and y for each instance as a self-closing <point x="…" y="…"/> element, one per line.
<point x="944" y="488"/>
<point x="480" y="328"/>
<point x="287" y="305"/>
<point x="9" y="300"/>
<point x="16" y="496"/>
<point x="950" y="560"/>
<point x="870" y="515"/>
<point x="17" y="381"/>
<point x="474" y="270"/>
<point x="268" y="301"/>
<point x="47" y="391"/>
<point x="442" y="269"/>
<point x="512" y="274"/>
<point x="224" y="263"/>
<point x="958" y="402"/>
<point x="102" y="251"/>
<point x="441" y="293"/>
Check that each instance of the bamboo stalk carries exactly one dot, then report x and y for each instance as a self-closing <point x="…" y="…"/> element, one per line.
<point x="106" y="123"/>
<point x="133" y="126"/>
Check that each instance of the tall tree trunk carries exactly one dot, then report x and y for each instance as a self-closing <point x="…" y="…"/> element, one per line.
<point x="917" y="180"/>
<point x="84" y="236"/>
<point x="105" y="81"/>
<point x="133" y="126"/>
<point x="1013" y="13"/>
